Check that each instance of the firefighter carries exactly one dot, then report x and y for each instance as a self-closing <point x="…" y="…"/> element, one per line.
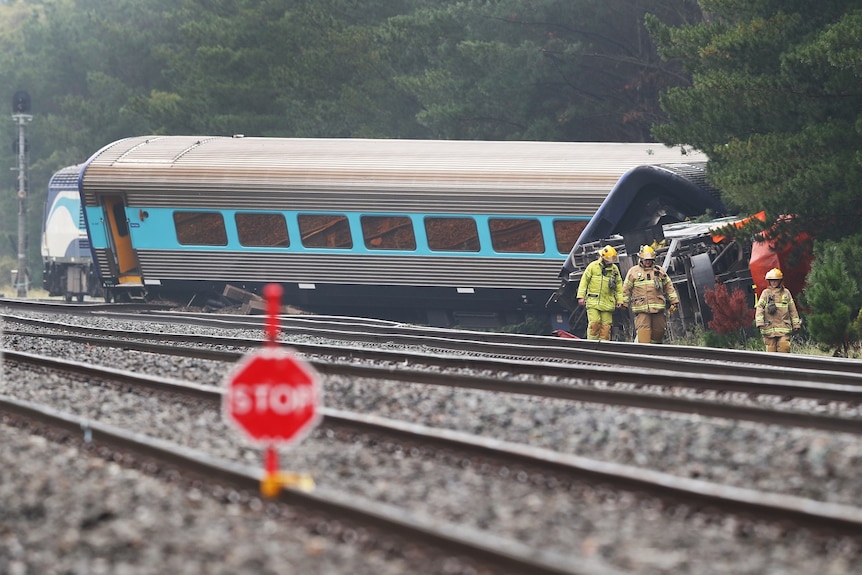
<point x="647" y="292"/>
<point x="776" y="314"/>
<point x="601" y="292"/>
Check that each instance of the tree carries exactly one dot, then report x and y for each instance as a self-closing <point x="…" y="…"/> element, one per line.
<point x="98" y="71"/>
<point x="281" y="68"/>
<point x="775" y="101"/>
<point x="732" y="313"/>
<point x="81" y="61"/>
<point x="578" y="70"/>
<point x="830" y="294"/>
<point x="849" y="252"/>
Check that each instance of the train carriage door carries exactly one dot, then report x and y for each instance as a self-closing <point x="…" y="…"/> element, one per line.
<point x="125" y="260"/>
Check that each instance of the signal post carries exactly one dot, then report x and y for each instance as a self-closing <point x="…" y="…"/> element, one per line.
<point x="21" y="115"/>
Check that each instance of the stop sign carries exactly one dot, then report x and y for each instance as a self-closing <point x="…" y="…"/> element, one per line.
<point x="273" y="396"/>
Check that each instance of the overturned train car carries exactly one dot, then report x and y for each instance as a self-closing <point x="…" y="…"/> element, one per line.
<point x="696" y="255"/>
<point x="695" y="258"/>
<point x="655" y="205"/>
<point x="464" y="233"/>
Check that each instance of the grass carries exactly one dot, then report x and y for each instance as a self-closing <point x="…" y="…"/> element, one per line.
<point x="800" y="344"/>
<point x="10" y="291"/>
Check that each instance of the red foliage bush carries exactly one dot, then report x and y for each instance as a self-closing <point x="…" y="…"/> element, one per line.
<point x="731" y="311"/>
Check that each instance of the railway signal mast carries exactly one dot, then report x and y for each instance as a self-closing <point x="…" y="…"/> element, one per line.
<point x="21" y="115"/>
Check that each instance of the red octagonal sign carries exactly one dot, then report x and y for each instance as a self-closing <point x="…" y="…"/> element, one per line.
<point x="273" y="395"/>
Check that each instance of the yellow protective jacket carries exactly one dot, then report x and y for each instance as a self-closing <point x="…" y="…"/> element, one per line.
<point x="648" y="290"/>
<point x="601" y="287"/>
<point x="777" y="320"/>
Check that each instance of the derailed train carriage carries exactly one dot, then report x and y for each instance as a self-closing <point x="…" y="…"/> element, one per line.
<point x="441" y="232"/>
<point x="698" y="256"/>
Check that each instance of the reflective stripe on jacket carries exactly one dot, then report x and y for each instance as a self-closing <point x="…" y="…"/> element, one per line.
<point x="595" y="286"/>
<point x="783" y="319"/>
<point x="648" y="290"/>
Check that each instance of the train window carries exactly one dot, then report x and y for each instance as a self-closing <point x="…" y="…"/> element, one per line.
<point x="200" y="228"/>
<point x="388" y="233"/>
<point x="452" y="234"/>
<point x="516" y="235"/>
<point x="262" y="230"/>
<point x="325" y="231"/>
<point x="567" y="232"/>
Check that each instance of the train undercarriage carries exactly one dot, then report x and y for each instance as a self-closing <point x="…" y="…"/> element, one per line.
<point x="695" y="259"/>
<point x="74" y="280"/>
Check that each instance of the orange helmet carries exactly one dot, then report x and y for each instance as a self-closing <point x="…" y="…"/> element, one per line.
<point x="609" y="254"/>
<point x="774" y="274"/>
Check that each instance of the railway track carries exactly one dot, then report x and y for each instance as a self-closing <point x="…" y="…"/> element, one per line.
<point x="380" y="332"/>
<point x="542" y="469"/>
<point x="761" y="506"/>
<point x="720" y="362"/>
<point x="166" y="458"/>
<point x="495" y="343"/>
<point x="647" y="384"/>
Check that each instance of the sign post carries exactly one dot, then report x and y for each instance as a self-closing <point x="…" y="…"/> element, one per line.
<point x="273" y="396"/>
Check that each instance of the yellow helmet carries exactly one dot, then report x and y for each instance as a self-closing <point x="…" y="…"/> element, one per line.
<point x="609" y="254"/>
<point x="646" y="253"/>
<point x="774" y="274"/>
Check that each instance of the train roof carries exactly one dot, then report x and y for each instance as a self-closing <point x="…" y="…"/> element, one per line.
<point x="179" y="169"/>
<point x="63" y="180"/>
<point x="647" y="197"/>
<point x="377" y="155"/>
<point x="66" y="177"/>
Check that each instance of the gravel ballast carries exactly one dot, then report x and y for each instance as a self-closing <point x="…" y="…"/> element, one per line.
<point x="628" y="532"/>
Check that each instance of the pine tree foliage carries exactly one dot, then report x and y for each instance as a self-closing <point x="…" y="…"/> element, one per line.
<point x="775" y="102"/>
<point x="830" y="293"/>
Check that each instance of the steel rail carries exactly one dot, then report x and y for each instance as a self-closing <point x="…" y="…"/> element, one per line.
<point x="81" y="308"/>
<point x="529" y="388"/>
<point x="628" y="368"/>
<point x="372" y="329"/>
<point x="776" y="506"/>
<point x="643" y="364"/>
<point x="502" y="552"/>
<point x="765" y="505"/>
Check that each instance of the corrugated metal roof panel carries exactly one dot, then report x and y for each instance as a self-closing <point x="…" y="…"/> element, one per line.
<point x="393" y="156"/>
<point x="353" y="174"/>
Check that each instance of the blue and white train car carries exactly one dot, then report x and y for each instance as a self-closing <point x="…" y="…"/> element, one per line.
<point x="441" y="232"/>
<point x="67" y="263"/>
